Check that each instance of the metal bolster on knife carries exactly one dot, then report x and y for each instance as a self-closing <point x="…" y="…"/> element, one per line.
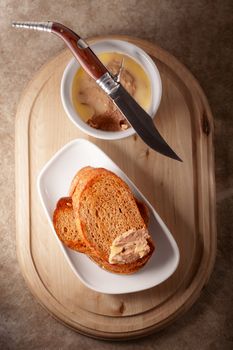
<point x="107" y="83"/>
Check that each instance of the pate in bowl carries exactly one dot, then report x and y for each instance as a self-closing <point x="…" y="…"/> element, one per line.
<point x="90" y="109"/>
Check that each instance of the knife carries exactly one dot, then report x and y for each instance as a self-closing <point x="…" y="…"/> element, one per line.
<point x="137" y="117"/>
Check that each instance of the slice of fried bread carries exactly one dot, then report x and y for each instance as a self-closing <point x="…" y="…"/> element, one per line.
<point x="64" y="224"/>
<point x="108" y="218"/>
<point x="66" y="230"/>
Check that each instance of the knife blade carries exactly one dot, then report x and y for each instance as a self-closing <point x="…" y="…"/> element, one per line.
<point x="141" y="122"/>
<point x="137" y="117"/>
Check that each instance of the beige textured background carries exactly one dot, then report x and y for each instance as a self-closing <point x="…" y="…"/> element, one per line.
<point x="199" y="33"/>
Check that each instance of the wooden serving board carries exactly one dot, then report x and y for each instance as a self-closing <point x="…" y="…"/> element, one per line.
<point x="182" y="193"/>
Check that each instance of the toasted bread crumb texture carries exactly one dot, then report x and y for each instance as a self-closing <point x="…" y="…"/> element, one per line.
<point x="64" y="225"/>
<point x="106" y="209"/>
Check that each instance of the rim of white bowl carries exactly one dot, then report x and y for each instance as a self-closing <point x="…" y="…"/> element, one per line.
<point x="111" y="45"/>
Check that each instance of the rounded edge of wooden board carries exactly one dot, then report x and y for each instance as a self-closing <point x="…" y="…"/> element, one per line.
<point x="195" y="293"/>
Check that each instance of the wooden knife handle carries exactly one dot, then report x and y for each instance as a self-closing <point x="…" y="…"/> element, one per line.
<point x="80" y="49"/>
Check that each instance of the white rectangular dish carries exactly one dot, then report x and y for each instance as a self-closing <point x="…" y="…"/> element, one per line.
<point x="53" y="183"/>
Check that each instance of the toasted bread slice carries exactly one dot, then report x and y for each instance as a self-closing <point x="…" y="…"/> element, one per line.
<point x="83" y="175"/>
<point x="81" y="179"/>
<point x="64" y="224"/>
<point x="104" y="208"/>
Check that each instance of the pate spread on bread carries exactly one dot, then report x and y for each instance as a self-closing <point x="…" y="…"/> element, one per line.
<point x="129" y="246"/>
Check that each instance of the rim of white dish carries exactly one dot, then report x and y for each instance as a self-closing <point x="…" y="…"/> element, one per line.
<point x="111" y="45"/>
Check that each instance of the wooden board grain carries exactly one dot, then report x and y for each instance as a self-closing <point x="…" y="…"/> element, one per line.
<point x="182" y="193"/>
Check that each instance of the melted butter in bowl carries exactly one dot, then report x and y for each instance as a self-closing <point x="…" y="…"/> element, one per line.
<point x="95" y="107"/>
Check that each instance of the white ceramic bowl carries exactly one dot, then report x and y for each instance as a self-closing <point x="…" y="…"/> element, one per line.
<point x="54" y="182"/>
<point x="111" y="46"/>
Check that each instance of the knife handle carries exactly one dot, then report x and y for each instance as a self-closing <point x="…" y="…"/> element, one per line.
<point x="80" y="49"/>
